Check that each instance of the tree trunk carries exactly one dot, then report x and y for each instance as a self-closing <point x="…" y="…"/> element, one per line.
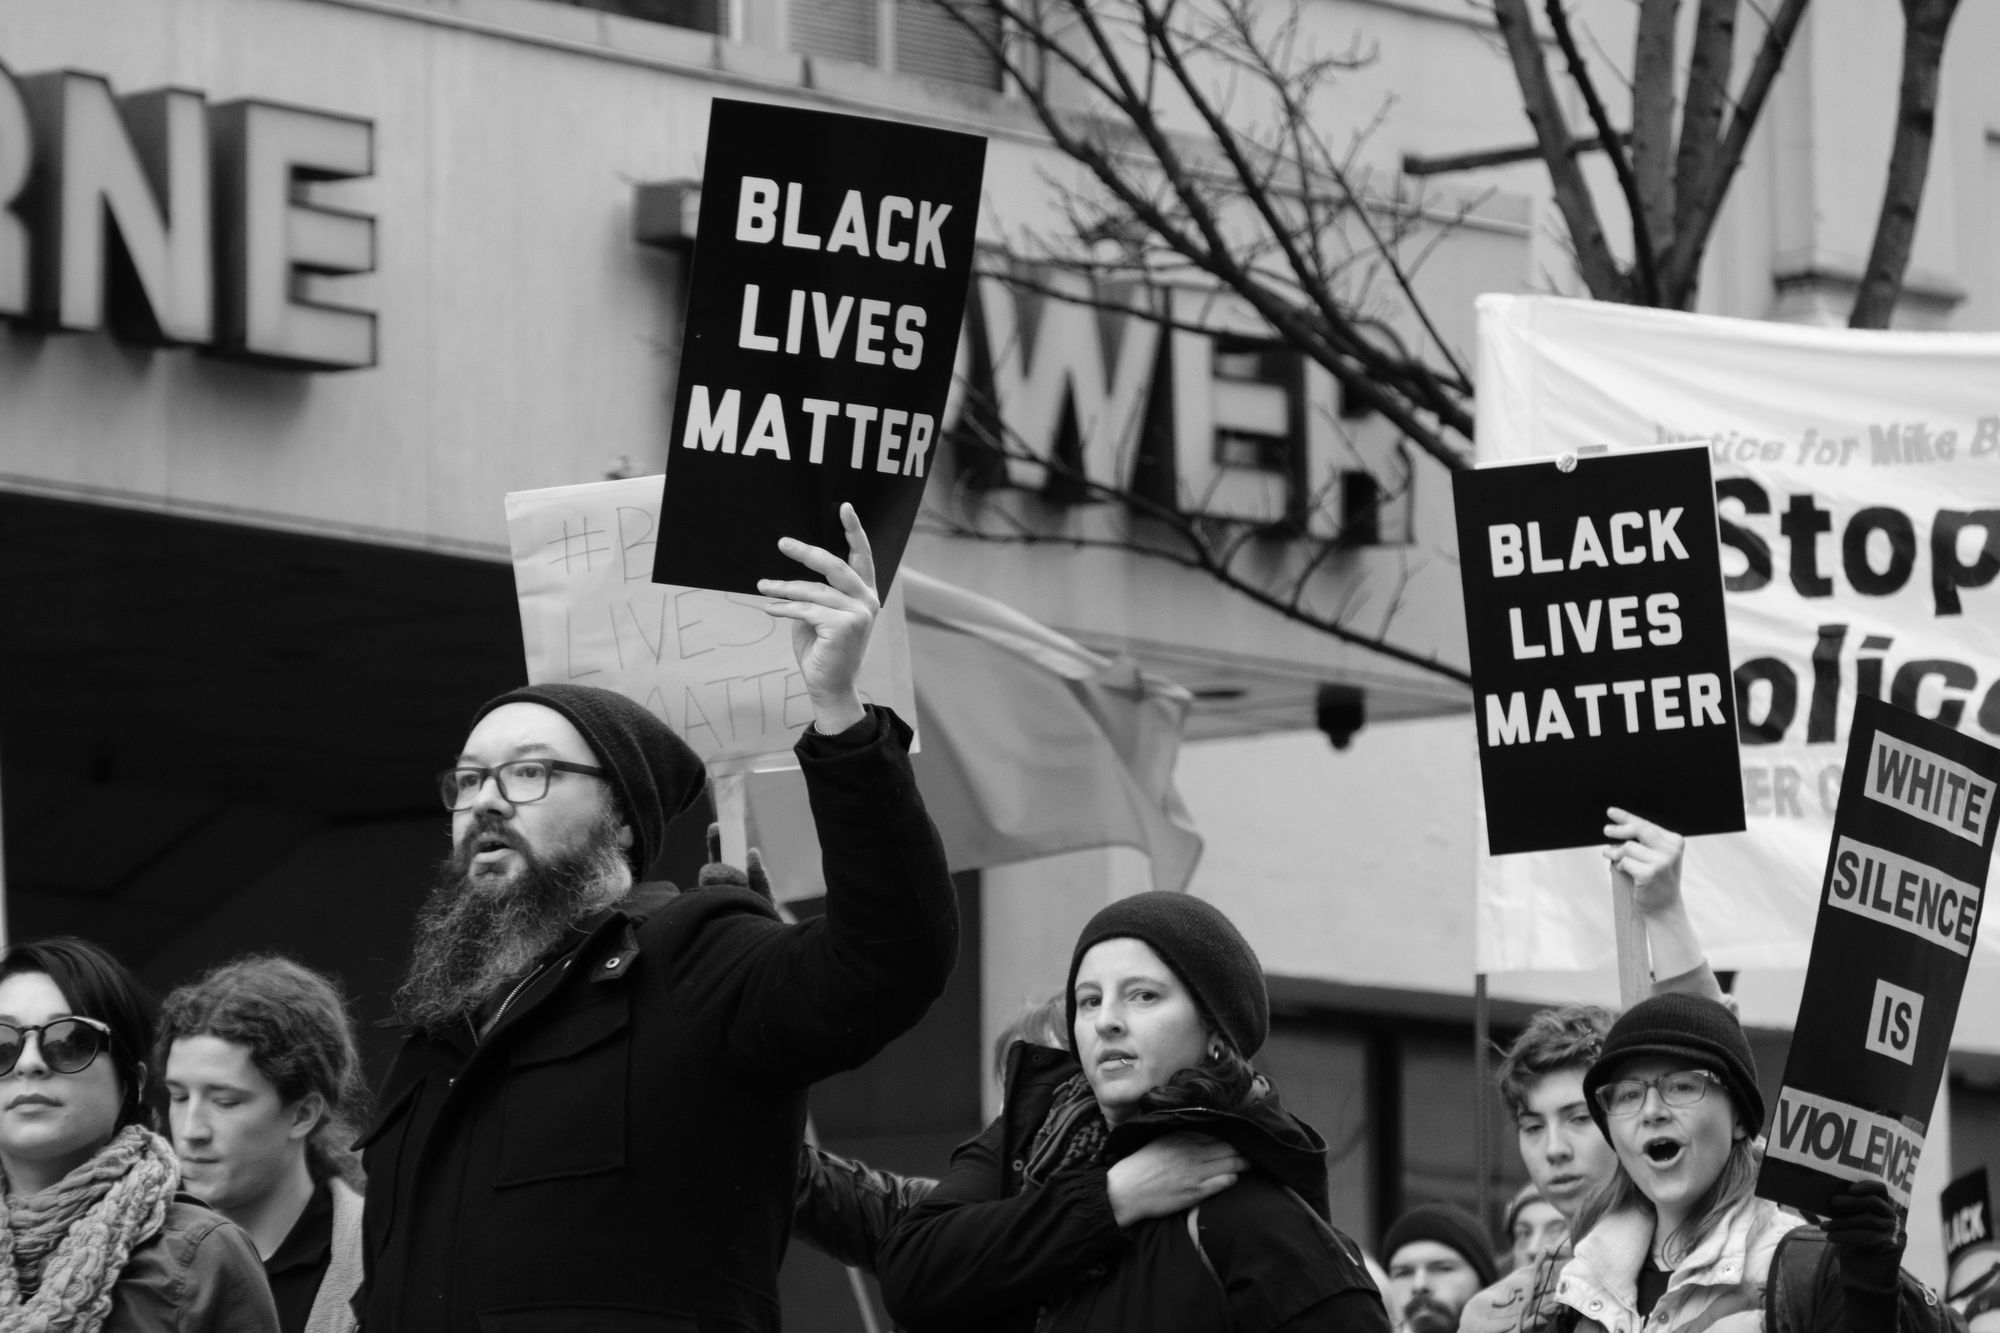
<point x="1924" y="25"/>
<point x="1682" y="271"/>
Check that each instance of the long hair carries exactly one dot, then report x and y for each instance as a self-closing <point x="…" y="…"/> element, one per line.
<point x="1736" y="1182"/>
<point x="293" y="1023"/>
<point x="96" y="985"/>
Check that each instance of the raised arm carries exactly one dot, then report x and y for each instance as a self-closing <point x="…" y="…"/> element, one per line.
<point x="797" y="1003"/>
<point x="1647" y="861"/>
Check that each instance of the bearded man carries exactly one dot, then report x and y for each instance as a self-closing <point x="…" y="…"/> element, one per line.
<point x="1437" y="1257"/>
<point x="594" y="1120"/>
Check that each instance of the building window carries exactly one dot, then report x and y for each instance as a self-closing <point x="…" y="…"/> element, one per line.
<point x="700" y="15"/>
<point x="919" y="37"/>
<point x="1323" y="1077"/>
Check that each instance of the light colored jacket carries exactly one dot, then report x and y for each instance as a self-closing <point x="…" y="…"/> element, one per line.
<point x="333" y="1308"/>
<point x="1520" y="1301"/>
<point x="1718" y="1288"/>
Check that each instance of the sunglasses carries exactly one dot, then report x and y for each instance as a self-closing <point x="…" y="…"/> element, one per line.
<point x="68" y="1044"/>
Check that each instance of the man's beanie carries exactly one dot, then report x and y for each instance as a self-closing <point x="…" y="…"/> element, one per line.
<point x="1450" y="1226"/>
<point x="653" y="772"/>
<point x="1686" y="1027"/>
<point x="1204" y="949"/>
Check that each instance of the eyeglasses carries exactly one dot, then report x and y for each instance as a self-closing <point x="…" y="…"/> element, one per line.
<point x="1683" y="1087"/>
<point x="521" y="781"/>
<point x="68" y="1044"/>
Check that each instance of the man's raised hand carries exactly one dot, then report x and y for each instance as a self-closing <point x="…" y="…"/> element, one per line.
<point x="830" y="621"/>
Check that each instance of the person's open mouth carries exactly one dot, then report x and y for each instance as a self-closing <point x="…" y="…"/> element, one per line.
<point x="489" y="849"/>
<point x="1664" y="1153"/>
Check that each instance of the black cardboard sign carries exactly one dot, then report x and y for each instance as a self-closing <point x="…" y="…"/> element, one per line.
<point x="1599" y="649"/>
<point x="1971" y="1250"/>
<point x="1899" y="912"/>
<point x="832" y="259"/>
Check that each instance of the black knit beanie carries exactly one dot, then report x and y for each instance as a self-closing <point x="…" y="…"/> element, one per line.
<point x="653" y="772"/>
<point x="1451" y="1227"/>
<point x="1204" y="949"/>
<point x="1686" y="1027"/>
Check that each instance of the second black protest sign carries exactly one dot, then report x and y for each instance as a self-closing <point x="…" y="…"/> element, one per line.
<point x="831" y="265"/>
<point x="1599" y="651"/>
<point x="1898" y="917"/>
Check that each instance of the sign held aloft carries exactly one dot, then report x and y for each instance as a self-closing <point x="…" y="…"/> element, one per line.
<point x="1600" y="659"/>
<point x="829" y="280"/>
<point x="1899" y="913"/>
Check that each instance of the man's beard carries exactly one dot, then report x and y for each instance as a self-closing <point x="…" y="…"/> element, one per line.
<point x="476" y="933"/>
<point x="1424" y="1314"/>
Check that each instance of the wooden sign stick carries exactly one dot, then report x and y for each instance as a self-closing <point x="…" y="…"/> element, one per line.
<point x="1635" y="968"/>
<point x="732" y="812"/>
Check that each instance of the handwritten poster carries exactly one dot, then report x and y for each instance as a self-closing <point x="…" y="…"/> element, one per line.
<point x="711" y="664"/>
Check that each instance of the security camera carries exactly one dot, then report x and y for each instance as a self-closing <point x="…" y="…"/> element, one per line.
<point x="1340" y="711"/>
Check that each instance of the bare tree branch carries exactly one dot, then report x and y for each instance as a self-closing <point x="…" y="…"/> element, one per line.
<point x="1204" y="166"/>
<point x="1594" y="259"/>
<point x="1614" y="148"/>
<point x="1653" y="129"/>
<point x="1924" y="25"/>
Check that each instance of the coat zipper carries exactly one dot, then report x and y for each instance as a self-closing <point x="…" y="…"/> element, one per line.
<point x="479" y="1035"/>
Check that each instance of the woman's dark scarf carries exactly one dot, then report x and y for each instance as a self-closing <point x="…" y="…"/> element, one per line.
<point x="1072" y="1135"/>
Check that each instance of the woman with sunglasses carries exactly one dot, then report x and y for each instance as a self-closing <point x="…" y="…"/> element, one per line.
<point x="1676" y="1240"/>
<point x="96" y="1235"/>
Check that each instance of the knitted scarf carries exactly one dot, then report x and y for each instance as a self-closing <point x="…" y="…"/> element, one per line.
<point x="61" y="1250"/>
<point x="1072" y="1134"/>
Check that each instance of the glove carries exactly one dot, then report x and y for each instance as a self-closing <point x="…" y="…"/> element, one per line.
<point x="1868" y="1234"/>
<point x="717" y="874"/>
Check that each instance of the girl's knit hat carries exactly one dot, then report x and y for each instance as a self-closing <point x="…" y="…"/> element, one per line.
<point x="1686" y="1027"/>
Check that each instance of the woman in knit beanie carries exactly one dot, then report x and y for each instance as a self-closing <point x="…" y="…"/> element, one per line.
<point x="1677" y="1239"/>
<point x="95" y="1235"/>
<point x="1145" y="1178"/>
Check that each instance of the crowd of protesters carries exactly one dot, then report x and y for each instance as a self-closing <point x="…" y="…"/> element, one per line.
<point x="596" y="1116"/>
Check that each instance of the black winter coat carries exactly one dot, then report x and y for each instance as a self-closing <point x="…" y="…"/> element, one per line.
<point x="618" y="1154"/>
<point x="983" y="1254"/>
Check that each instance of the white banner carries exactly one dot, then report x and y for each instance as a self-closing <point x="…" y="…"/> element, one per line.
<point x="1858" y="484"/>
<point x="712" y="664"/>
